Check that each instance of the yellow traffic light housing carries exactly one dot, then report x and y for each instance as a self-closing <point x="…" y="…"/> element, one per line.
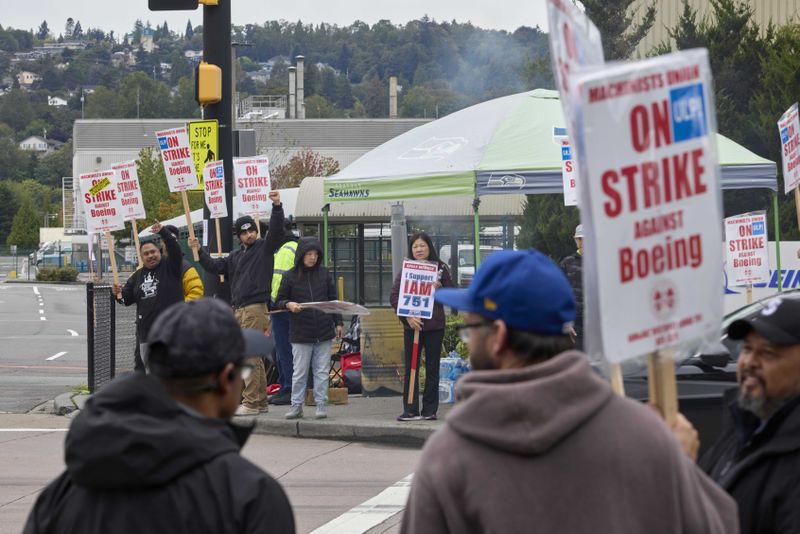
<point x="207" y="84"/>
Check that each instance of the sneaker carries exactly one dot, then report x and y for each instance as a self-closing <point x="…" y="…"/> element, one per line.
<point x="408" y="417"/>
<point x="295" y="413"/>
<point x="322" y="411"/>
<point x="246" y="410"/>
<point x="284" y="399"/>
<point x="431" y="417"/>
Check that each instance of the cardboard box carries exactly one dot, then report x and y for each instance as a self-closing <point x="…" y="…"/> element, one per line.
<point x="335" y="396"/>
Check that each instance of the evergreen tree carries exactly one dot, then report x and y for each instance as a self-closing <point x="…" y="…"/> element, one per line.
<point x="25" y="226"/>
<point x="77" y="33"/>
<point x="616" y="21"/>
<point x="69" y="27"/>
<point x="43" y="31"/>
<point x="7" y="209"/>
<point x="189" y="31"/>
<point x="548" y="226"/>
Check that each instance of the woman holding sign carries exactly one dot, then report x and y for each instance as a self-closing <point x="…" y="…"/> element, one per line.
<point x="430" y="334"/>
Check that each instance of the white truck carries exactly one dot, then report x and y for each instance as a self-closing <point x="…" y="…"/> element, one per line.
<point x="466" y="260"/>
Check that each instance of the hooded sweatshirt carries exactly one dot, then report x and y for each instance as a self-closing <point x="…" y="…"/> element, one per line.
<point x="550" y="448"/>
<point x="137" y="461"/>
<point x="303" y="284"/>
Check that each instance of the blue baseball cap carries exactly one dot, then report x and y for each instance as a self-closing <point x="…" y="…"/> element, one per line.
<point x="523" y="288"/>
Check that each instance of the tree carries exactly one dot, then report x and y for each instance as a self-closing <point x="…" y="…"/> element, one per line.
<point x="319" y="107"/>
<point x="615" y="20"/>
<point x="52" y="167"/>
<point x="306" y="163"/>
<point x="189" y="31"/>
<point x="7" y="209"/>
<point x="77" y="33"/>
<point x="548" y="226"/>
<point x="43" y="31"/>
<point x="25" y="227"/>
<point x="15" y="109"/>
<point x="433" y="100"/>
<point x="69" y="27"/>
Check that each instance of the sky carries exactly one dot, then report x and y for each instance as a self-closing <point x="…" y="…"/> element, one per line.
<point x="120" y="15"/>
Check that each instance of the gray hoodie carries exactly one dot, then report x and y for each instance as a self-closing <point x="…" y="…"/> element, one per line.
<point x="549" y="448"/>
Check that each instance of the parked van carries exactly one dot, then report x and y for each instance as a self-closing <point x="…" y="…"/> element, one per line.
<point x="466" y="260"/>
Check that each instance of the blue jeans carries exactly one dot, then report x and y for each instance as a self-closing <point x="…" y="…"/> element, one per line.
<point x="317" y="356"/>
<point x="280" y="331"/>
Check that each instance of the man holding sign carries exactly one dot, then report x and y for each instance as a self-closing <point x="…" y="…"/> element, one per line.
<point x="545" y="437"/>
<point x="153" y="288"/>
<point x="423" y="324"/>
<point x="249" y="270"/>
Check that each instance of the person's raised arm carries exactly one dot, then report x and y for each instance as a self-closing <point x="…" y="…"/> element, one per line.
<point x="210" y="264"/>
<point x="275" y="235"/>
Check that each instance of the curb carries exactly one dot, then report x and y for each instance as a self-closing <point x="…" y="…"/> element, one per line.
<point x="63" y="405"/>
<point x="408" y="435"/>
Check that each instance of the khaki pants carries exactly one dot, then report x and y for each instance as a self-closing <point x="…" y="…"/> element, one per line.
<point x="254" y="395"/>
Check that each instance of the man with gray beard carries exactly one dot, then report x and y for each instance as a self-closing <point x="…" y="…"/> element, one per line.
<point x="757" y="458"/>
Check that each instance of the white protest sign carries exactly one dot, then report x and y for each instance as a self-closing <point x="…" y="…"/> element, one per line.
<point x="650" y="201"/>
<point x="253" y="184"/>
<point x="100" y="202"/>
<point x="568" y="175"/>
<point x="574" y="42"/>
<point x="746" y="249"/>
<point x="214" y="186"/>
<point x="178" y="159"/>
<point x="789" y="128"/>
<point x="416" y="289"/>
<point x="130" y="195"/>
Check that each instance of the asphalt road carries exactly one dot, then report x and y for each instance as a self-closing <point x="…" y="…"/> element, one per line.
<point x="42" y="343"/>
<point x="335" y="487"/>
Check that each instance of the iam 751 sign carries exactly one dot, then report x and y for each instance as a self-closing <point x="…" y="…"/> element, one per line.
<point x="651" y="198"/>
<point x="417" y="288"/>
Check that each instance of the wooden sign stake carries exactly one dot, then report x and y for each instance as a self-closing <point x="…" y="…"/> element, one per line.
<point x="661" y="385"/>
<point x="412" y="378"/>
<point x="113" y="259"/>
<point x="749" y="293"/>
<point x="616" y="380"/>
<point x="185" y="200"/>
<point x="136" y="242"/>
<point x="219" y="245"/>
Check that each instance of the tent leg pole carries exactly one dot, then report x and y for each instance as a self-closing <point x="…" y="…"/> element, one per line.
<point x="477" y="220"/>
<point x="325" y="210"/>
<point x="776" y="219"/>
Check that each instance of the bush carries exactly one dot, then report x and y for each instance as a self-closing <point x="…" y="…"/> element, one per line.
<point x="451" y="340"/>
<point x="57" y="274"/>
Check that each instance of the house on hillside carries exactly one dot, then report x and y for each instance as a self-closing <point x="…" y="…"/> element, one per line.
<point x="36" y="143"/>
<point x="27" y="78"/>
<point x="56" y="101"/>
<point x="193" y="56"/>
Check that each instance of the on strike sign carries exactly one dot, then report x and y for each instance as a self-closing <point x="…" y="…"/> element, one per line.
<point x="178" y="160"/>
<point x="651" y="200"/>
<point x="214" y="186"/>
<point x="127" y="182"/>
<point x="416" y="289"/>
<point x="101" y="203"/>
<point x="253" y="184"/>
<point x="746" y="248"/>
<point x="789" y="128"/>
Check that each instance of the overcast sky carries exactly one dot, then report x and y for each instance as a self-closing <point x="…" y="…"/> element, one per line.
<point x="119" y="15"/>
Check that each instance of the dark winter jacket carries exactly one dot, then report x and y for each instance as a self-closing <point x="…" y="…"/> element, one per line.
<point x="302" y="284"/>
<point x="760" y="466"/>
<point x="549" y="448"/>
<point x="139" y="462"/>
<point x="572" y="266"/>
<point x="154" y="290"/>
<point x="437" y="321"/>
<point x="250" y="268"/>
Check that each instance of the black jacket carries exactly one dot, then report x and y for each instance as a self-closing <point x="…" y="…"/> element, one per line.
<point x="572" y="266"/>
<point x="760" y="467"/>
<point x="139" y="462"/>
<point x="302" y="284"/>
<point x="154" y="290"/>
<point x="250" y="268"/>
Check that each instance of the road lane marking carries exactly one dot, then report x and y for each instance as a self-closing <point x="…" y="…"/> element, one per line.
<point x="72" y="332"/>
<point x="43" y="318"/>
<point x="41" y="312"/>
<point x="34" y="429"/>
<point x="54" y="356"/>
<point x="370" y="513"/>
<point x="36" y="290"/>
<point x="48" y="367"/>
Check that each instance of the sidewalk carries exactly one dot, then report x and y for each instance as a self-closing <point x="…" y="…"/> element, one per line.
<point x="369" y="419"/>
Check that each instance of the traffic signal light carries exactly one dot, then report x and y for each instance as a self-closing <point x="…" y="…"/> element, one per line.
<point x="207" y="84"/>
<point x="174" y="5"/>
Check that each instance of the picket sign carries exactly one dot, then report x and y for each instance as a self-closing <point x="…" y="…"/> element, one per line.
<point x="179" y="168"/>
<point x="253" y="184"/>
<point x="103" y="209"/>
<point x="126" y="177"/>
<point x="650" y="203"/>
<point x="214" y="190"/>
<point x="746" y="251"/>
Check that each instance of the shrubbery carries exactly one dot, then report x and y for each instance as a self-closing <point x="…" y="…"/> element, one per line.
<point x="57" y="274"/>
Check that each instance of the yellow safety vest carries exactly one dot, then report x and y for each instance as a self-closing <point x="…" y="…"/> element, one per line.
<point x="284" y="261"/>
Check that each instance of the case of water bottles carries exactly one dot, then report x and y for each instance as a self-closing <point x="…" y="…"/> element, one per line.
<point x="450" y="368"/>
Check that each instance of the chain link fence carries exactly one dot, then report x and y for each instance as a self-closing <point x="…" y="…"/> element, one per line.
<point x="111" y="335"/>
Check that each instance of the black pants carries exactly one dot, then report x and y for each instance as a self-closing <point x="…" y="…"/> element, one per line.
<point x="431" y="342"/>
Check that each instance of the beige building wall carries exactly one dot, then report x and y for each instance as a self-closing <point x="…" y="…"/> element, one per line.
<point x="779" y="12"/>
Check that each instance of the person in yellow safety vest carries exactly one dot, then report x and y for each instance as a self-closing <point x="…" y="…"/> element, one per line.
<point x="283" y="262"/>
<point x="192" y="284"/>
